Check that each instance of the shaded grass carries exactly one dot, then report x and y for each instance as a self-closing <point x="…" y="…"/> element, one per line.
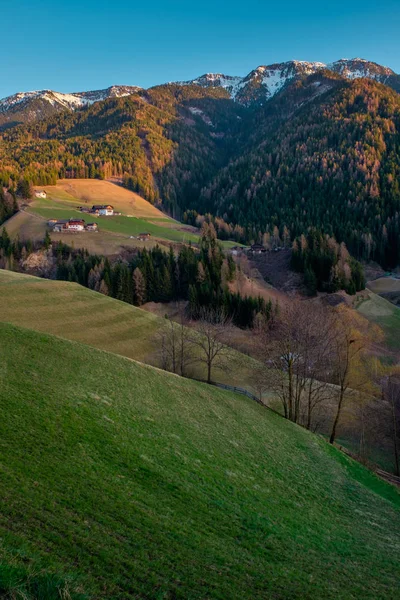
<point x="19" y="583"/>
<point x="145" y="485"/>
<point x="386" y="315"/>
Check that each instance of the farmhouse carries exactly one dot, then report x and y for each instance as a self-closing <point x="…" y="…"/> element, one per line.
<point x="71" y="225"/>
<point x="68" y="225"/>
<point x="105" y="210"/>
<point x="75" y="225"/>
<point x="58" y="225"/>
<point x="143" y="236"/>
<point x="257" y="249"/>
<point x="40" y="194"/>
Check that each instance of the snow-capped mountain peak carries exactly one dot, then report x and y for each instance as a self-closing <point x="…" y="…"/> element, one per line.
<point x="25" y="107"/>
<point x="265" y="81"/>
<point x="256" y="88"/>
<point x="228" y="82"/>
<point x="355" y="68"/>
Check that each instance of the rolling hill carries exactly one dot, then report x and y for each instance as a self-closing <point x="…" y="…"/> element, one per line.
<point x="116" y="234"/>
<point x="386" y="315"/>
<point x="128" y="482"/>
<point x="76" y="313"/>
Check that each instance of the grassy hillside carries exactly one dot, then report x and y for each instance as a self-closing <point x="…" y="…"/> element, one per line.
<point x="115" y="234"/>
<point x="95" y="191"/>
<point x="77" y="313"/>
<point x="386" y="315"/>
<point x="138" y="215"/>
<point x="384" y="285"/>
<point x="139" y="484"/>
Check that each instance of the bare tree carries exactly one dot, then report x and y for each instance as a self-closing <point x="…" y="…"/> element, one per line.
<point x="391" y="393"/>
<point x="296" y="354"/>
<point x="316" y="324"/>
<point x="210" y="337"/>
<point x="260" y="382"/>
<point x="350" y="362"/>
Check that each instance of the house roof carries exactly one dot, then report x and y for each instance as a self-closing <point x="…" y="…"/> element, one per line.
<point x="100" y="206"/>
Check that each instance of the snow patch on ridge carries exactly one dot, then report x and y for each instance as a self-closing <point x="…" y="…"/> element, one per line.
<point x="71" y="101"/>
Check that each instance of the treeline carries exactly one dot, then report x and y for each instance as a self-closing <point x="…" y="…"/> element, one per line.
<point x="327" y="265"/>
<point x="8" y="203"/>
<point x="157" y="276"/>
<point x="333" y="164"/>
<point x="202" y="278"/>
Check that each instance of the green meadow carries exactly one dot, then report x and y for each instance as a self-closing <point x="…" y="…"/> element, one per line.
<point x="119" y="224"/>
<point x="125" y="482"/>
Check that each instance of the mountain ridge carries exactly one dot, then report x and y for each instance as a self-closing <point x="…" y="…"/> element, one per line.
<point x="255" y="88"/>
<point x="26" y="107"/>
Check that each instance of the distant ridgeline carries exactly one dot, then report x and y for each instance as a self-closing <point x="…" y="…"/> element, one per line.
<point x="152" y="276"/>
<point x="322" y="152"/>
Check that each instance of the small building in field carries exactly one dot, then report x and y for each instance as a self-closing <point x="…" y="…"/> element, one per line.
<point x="257" y="249"/>
<point x="92" y="227"/>
<point x="52" y="222"/>
<point x="59" y="225"/>
<point x="40" y="194"/>
<point x="144" y="236"/>
<point x="76" y="225"/>
<point x="103" y="210"/>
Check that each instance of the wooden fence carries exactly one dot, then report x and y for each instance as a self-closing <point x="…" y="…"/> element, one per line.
<point x="244" y="392"/>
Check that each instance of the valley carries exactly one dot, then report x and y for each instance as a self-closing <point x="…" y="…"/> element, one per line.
<point x="200" y="391"/>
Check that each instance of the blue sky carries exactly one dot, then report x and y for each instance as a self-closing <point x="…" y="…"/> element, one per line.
<point x="90" y="44"/>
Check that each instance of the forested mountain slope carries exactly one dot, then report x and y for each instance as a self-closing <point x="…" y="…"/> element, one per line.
<point x="323" y="152"/>
<point x="143" y="484"/>
<point x="168" y="142"/>
<point x="330" y="161"/>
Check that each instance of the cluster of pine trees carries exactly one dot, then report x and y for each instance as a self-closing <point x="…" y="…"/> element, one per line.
<point x="153" y="275"/>
<point x="327" y="265"/>
<point x="157" y="276"/>
<point x="8" y="204"/>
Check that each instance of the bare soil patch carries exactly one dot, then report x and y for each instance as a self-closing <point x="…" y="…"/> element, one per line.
<point x="274" y="268"/>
